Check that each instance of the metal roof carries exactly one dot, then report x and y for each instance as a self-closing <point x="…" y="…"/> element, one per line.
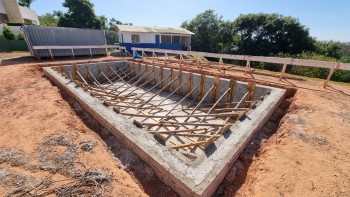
<point x="162" y="30"/>
<point x="63" y="36"/>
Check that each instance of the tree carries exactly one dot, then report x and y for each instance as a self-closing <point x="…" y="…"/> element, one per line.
<point x="8" y="33"/>
<point x="329" y="49"/>
<point x="212" y="33"/>
<point x="49" y="19"/>
<point x="114" y="22"/>
<point x="271" y="34"/>
<point x="80" y="15"/>
<point x="25" y="3"/>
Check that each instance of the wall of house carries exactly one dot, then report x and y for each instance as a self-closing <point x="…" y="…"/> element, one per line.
<point x="2" y="8"/>
<point x="144" y="37"/>
<point x="13" y="11"/>
<point x="29" y="14"/>
<point x="147" y="40"/>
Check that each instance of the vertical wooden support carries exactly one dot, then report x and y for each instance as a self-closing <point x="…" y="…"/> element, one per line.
<point x="51" y="55"/>
<point x="108" y="70"/>
<point x="283" y="71"/>
<point x="190" y="84"/>
<point x="161" y="76"/>
<point x="335" y="66"/>
<point x="98" y="72"/>
<point x="73" y="56"/>
<point x="181" y="59"/>
<point x="128" y="66"/>
<point x="180" y="82"/>
<point x="231" y="93"/>
<point x="142" y="54"/>
<point x="171" y="87"/>
<point x="153" y="74"/>
<point x="133" y="67"/>
<point x="146" y="71"/>
<point x="90" y="52"/>
<point x="247" y="68"/>
<point x="139" y="68"/>
<point x="216" y="89"/>
<point x="61" y="69"/>
<point x="153" y="56"/>
<point x="221" y="65"/>
<point x="201" y="87"/>
<point x="165" y="57"/>
<point x="87" y="73"/>
<point x="251" y="89"/>
<point x="74" y="69"/>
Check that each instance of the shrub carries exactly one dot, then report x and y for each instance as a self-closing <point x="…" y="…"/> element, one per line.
<point x="8" y="33"/>
<point x="20" y="36"/>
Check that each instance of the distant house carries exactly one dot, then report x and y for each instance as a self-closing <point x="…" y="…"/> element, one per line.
<point x="154" y="37"/>
<point x="11" y="12"/>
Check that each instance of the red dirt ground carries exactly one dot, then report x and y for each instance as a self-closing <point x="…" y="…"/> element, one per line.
<point x="309" y="155"/>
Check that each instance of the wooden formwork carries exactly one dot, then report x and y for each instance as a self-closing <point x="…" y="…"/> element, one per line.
<point x="187" y="127"/>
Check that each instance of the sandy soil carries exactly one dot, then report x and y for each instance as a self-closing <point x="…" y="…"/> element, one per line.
<point x="308" y="155"/>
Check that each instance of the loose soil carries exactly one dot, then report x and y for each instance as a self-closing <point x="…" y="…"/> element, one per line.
<point x="44" y="135"/>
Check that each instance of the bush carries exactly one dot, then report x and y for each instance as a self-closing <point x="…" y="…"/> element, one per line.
<point x="8" y="33"/>
<point x="20" y="36"/>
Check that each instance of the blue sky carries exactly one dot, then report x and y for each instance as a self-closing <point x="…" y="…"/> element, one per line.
<point x="326" y="19"/>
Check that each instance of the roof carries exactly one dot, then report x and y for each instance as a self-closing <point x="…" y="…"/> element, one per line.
<point x="144" y="29"/>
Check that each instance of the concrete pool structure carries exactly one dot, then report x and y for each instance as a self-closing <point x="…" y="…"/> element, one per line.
<point x="188" y="127"/>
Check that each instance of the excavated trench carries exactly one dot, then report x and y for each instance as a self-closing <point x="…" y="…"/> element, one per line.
<point x="188" y="127"/>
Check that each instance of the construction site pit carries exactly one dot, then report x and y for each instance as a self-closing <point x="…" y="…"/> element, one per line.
<point x="188" y="127"/>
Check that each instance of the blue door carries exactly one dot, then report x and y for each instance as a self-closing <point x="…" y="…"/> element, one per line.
<point x="157" y="41"/>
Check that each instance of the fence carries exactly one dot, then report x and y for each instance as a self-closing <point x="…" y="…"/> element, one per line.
<point x="275" y="60"/>
<point x="12" y="45"/>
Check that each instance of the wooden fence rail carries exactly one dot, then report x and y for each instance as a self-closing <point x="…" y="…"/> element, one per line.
<point x="275" y="60"/>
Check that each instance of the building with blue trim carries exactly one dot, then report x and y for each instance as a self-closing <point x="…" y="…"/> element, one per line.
<point x="154" y="37"/>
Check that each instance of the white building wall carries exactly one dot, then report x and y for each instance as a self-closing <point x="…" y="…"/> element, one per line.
<point x="2" y="8"/>
<point x="144" y="37"/>
<point x="29" y="14"/>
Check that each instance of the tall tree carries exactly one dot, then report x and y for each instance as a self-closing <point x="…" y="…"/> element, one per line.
<point x="25" y="3"/>
<point x="212" y="33"/>
<point x="271" y="34"/>
<point x="80" y="14"/>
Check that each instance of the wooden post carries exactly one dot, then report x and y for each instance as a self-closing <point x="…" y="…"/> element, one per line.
<point x="216" y="88"/>
<point x="251" y="89"/>
<point x="283" y="71"/>
<point x="50" y="52"/>
<point x="232" y="91"/>
<point x="153" y="73"/>
<point x="90" y="52"/>
<point x="334" y="67"/>
<point x="201" y="87"/>
<point x="98" y="71"/>
<point x="247" y="68"/>
<point x="171" y="79"/>
<point x="108" y="71"/>
<point x="180" y="82"/>
<point x="221" y="65"/>
<point x="161" y="76"/>
<point x="72" y="53"/>
<point x="190" y="84"/>
<point x="181" y="59"/>
<point x="74" y="68"/>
